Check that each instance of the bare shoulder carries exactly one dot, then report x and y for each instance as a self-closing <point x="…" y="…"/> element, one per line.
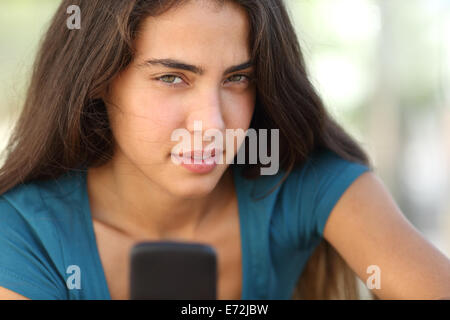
<point x="369" y="231"/>
<point x="6" y="294"/>
<point x="367" y="200"/>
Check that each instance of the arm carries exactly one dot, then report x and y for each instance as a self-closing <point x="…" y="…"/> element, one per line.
<point x="6" y="294"/>
<point x="367" y="228"/>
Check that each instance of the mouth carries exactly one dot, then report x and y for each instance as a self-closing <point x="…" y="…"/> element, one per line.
<point x="198" y="154"/>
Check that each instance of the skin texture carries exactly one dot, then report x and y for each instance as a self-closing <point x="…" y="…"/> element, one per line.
<point x="144" y="191"/>
<point x="367" y="228"/>
<point x="6" y="294"/>
<point x="141" y="194"/>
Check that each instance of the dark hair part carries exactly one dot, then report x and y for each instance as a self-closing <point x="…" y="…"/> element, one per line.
<point x="64" y="124"/>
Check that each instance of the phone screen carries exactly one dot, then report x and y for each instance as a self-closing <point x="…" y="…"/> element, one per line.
<point x="173" y="270"/>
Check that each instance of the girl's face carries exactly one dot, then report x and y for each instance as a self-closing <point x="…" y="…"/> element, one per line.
<point x="149" y="100"/>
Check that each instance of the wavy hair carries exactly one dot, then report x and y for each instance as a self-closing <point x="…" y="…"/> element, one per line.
<point x="63" y="124"/>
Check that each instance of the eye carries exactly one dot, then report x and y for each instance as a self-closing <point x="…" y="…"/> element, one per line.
<point x="170" y="78"/>
<point x="246" y="78"/>
<point x="174" y="80"/>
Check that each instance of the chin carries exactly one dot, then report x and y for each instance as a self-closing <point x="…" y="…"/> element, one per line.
<point x="193" y="192"/>
<point x="194" y="187"/>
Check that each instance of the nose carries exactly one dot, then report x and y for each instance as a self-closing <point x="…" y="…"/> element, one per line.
<point x="207" y="110"/>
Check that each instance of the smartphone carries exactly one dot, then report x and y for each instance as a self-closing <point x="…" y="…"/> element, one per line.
<point x="173" y="270"/>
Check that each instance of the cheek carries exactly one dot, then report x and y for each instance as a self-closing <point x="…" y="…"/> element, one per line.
<point x="239" y="111"/>
<point x="143" y="126"/>
<point x="142" y="109"/>
<point x="238" y="115"/>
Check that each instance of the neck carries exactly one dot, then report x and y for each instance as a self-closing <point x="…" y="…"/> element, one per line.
<point x="135" y="206"/>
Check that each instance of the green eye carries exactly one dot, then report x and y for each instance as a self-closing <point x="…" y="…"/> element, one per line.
<point x="171" y="79"/>
<point x="239" y="76"/>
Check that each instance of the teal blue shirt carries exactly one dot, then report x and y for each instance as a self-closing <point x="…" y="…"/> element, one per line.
<point x="46" y="227"/>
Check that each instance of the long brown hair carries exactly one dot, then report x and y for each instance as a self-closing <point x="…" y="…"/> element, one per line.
<point x="64" y="125"/>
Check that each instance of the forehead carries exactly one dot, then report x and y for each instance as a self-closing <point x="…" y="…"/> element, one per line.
<point x="197" y="31"/>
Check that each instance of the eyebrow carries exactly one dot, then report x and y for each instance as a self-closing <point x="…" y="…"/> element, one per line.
<point x="176" y="64"/>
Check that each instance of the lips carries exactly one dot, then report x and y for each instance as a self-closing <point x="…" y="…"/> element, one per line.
<point x="199" y="154"/>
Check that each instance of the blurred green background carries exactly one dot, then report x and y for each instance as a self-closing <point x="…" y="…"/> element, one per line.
<point x="382" y="68"/>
